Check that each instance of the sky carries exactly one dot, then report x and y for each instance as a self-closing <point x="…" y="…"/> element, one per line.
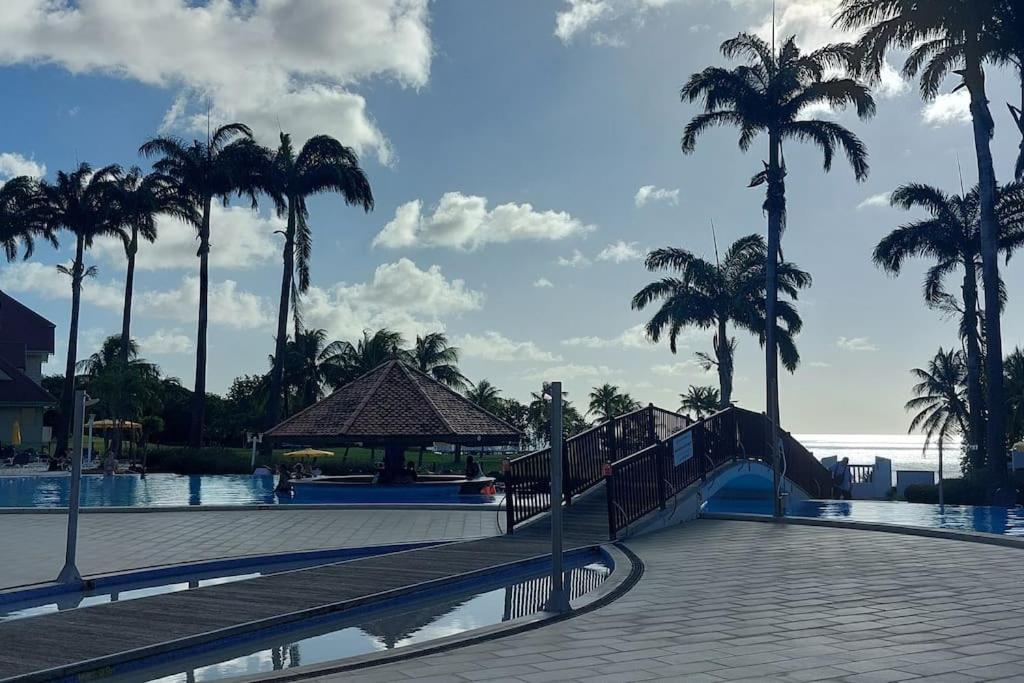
<point x="524" y="156"/>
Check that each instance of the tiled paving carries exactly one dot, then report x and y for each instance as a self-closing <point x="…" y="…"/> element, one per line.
<point x="744" y="601"/>
<point x="34" y="544"/>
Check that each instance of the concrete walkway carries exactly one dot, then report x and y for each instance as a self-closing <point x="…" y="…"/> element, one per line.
<point x="759" y="602"/>
<point x="34" y="543"/>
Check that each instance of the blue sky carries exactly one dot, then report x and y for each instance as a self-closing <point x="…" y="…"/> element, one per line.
<point x="506" y="144"/>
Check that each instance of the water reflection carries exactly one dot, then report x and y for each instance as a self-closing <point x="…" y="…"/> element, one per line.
<point x="336" y="639"/>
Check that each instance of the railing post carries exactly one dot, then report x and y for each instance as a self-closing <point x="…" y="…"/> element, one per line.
<point x="506" y="468"/>
<point x="652" y="431"/>
<point x="613" y="451"/>
<point x="701" y="451"/>
<point x="609" y="490"/>
<point x="568" y="483"/>
<point x="659" y="459"/>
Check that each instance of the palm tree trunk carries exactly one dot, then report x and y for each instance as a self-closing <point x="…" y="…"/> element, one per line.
<point x="199" y="391"/>
<point x="67" y="395"/>
<point x="981" y="118"/>
<point x="975" y="400"/>
<point x="277" y="372"/>
<point x="723" y="353"/>
<point x="126" y="318"/>
<point x="776" y="209"/>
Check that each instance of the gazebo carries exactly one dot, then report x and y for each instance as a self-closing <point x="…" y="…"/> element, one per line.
<point x="395" y="406"/>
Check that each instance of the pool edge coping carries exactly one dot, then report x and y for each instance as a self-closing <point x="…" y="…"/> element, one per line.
<point x="464" y="507"/>
<point x="882" y="527"/>
<point x="86" y="669"/>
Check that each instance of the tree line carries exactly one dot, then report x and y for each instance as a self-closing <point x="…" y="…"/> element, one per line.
<point x="754" y="290"/>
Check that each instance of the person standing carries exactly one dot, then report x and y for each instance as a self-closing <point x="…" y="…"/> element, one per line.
<point x="842" y="480"/>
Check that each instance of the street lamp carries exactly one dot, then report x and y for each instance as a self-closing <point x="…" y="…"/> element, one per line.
<point x="69" y="573"/>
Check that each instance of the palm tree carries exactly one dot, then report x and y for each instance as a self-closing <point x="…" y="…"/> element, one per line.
<point x="713" y="295"/>
<point x="433" y="356"/>
<point x="322" y="165"/>
<point x="198" y="173"/>
<point x="485" y="395"/>
<point x="306" y="367"/>
<point x="79" y="202"/>
<point x="345" y="361"/>
<point x="770" y="94"/>
<point x="607" y="402"/>
<point x="137" y="200"/>
<point x="1008" y="37"/>
<point x="703" y="401"/>
<point x="1014" y="368"/>
<point x="940" y="401"/>
<point x="126" y="389"/>
<point x="951" y="236"/>
<point x="943" y="37"/>
<point x="19" y="218"/>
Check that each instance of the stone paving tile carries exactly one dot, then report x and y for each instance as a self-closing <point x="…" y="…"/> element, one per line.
<point x="116" y="541"/>
<point x="748" y="601"/>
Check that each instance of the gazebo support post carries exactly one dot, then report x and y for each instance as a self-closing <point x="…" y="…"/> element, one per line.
<point x="394" y="461"/>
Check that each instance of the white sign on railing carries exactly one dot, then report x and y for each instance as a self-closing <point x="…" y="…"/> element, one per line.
<point x="682" y="448"/>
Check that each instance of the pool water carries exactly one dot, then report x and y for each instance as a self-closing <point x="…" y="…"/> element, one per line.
<point x="985" y="519"/>
<point x="163" y="490"/>
<point x="417" y="621"/>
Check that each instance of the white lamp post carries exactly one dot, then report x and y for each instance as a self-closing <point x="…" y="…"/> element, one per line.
<point x="558" y="601"/>
<point x="254" y="439"/>
<point x="69" y="573"/>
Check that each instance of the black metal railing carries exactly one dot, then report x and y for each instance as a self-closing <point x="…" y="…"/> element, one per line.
<point x="862" y="474"/>
<point x="645" y="481"/>
<point x="528" y="479"/>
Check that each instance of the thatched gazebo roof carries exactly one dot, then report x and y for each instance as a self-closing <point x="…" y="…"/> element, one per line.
<point x="396" y="404"/>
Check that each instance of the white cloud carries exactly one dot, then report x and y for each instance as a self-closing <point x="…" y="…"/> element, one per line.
<point x="875" y="200"/>
<point x="493" y="346"/>
<point x="542" y="283"/>
<point x="240" y="238"/>
<point x="633" y="338"/>
<point x="576" y="260"/>
<point x="649" y="193"/>
<point x="683" y="367"/>
<point x="259" y="61"/>
<point x="229" y="305"/>
<point x="464" y="222"/>
<point x="570" y="371"/>
<point x="583" y="16"/>
<point x="954" y="107"/>
<point x="45" y="281"/>
<point x="13" y="164"/>
<point x="400" y="296"/>
<point x="855" y="344"/>
<point x="620" y="251"/>
<point x="891" y="83"/>
<point x="165" y="342"/>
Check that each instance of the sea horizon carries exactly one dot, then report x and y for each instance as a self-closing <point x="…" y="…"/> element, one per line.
<point x="906" y="451"/>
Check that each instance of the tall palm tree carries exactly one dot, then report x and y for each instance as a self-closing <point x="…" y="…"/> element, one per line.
<point x="227" y="163"/>
<point x="770" y="94"/>
<point x="434" y="356"/>
<point x="607" y="402"/>
<point x="714" y="295"/>
<point x="1008" y="39"/>
<point x="951" y="237"/>
<point x="306" y="367"/>
<point x="485" y="395"/>
<point x="345" y="361"/>
<point x="940" y="401"/>
<point x="322" y="165"/>
<point x="79" y="202"/>
<point x="137" y="201"/>
<point x="702" y="401"/>
<point x="1014" y="368"/>
<point x="19" y="218"/>
<point x="944" y="37"/>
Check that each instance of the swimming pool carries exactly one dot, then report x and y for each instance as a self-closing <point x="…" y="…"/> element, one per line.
<point x="416" y="620"/>
<point x="985" y="519"/>
<point x="165" y="490"/>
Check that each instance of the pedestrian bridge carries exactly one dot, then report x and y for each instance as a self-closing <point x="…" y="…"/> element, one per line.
<point x="654" y="467"/>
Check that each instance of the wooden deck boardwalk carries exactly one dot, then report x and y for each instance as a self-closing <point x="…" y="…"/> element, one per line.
<point x="95" y="634"/>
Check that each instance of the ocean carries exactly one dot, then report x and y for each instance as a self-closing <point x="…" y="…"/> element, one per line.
<point x="905" y="450"/>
